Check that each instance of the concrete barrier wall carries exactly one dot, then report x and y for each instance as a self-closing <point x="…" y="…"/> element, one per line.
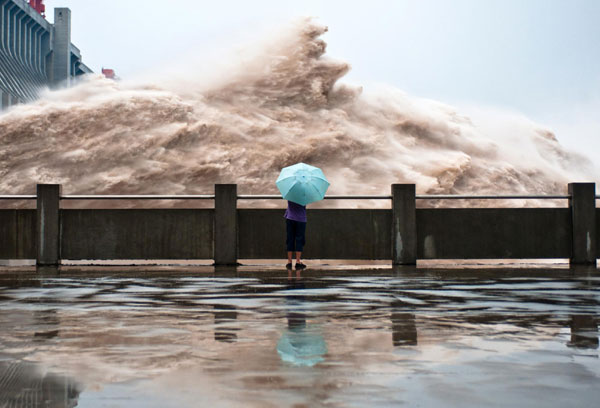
<point x="330" y="234"/>
<point x="494" y="233"/>
<point x="441" y="234"/>
<point x="18" y="234"/>
<point x="597" y="231"/>
<point x="137" y="234"/>
<point x="402" y="234"/>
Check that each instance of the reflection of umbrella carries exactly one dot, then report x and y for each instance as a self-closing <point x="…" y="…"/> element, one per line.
<point x="302" y="184"/>
<point x="302" y="347"/>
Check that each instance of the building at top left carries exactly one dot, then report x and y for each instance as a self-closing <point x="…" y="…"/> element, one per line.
<point x="35" y="54"/>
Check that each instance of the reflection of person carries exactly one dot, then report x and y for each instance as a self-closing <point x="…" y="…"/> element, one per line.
<point x="295" y="317"/>
<point x="301" y="344"/>
<point x="295" y="222"/>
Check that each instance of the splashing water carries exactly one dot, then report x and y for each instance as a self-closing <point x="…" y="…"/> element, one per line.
<point x="283" y="106"/>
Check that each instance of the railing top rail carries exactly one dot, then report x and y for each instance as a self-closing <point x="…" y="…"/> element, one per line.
<point x="328" y="197"/>
<point x="420" y="197"/>
<point x="18" y="197"/>
<point x="139" y="197"/>
<point x="492" y="197"/>
<point x="278" y="197"/>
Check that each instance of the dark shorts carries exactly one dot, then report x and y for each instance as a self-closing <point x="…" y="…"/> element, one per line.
<point x="296" y="231"/>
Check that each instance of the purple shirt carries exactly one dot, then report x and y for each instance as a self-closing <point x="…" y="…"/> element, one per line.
<point x="295" y="212"/>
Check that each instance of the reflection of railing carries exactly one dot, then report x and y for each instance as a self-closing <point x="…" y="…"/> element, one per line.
<point x="227" y="232"/>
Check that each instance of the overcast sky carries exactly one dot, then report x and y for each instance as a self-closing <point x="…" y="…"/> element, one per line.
<point x="540" y="58"/>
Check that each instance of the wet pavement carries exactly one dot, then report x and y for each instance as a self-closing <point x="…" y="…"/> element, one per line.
<point x="251" y="337"/>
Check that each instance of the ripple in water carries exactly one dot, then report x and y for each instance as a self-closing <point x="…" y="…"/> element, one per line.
<point x="322" y="338"/>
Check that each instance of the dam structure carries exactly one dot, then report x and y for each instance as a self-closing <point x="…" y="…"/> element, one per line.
<point x="35" y="54"/>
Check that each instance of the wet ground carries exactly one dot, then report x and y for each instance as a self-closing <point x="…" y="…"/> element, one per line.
<point x="251" y="337"/>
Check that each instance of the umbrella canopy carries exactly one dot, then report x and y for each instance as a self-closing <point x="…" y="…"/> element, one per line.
<point x="302" y="347"/>
<point x="302" y="183"/>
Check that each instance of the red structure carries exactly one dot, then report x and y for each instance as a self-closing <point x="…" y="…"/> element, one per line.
<point x="39" y="6"/>
<point x="109" y="73"/>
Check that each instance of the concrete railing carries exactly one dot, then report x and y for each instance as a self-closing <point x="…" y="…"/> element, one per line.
<point x="227" y="233"/>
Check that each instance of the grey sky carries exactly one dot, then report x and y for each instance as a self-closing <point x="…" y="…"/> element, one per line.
<point x="537" y="57"/>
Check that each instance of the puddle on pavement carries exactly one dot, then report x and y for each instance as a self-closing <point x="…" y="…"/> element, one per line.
<point x="379" y="338"/>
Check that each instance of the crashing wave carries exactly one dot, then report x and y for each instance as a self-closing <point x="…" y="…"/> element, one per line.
<point x="284" y="106"/>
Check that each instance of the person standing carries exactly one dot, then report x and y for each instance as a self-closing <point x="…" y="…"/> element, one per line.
<point x="295" y="222"/>
<point x="299" y="184"/>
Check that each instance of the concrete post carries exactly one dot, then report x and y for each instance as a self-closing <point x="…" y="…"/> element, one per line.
<point x="226" y="227"/>
<point x="404" y="224"/>
<point x="48" y="224"/>
<point x="583" y="216"/>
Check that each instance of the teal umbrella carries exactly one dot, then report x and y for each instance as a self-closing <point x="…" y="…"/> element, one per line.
<point x="302" y="183"/>
<point x="302" y="347"/>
